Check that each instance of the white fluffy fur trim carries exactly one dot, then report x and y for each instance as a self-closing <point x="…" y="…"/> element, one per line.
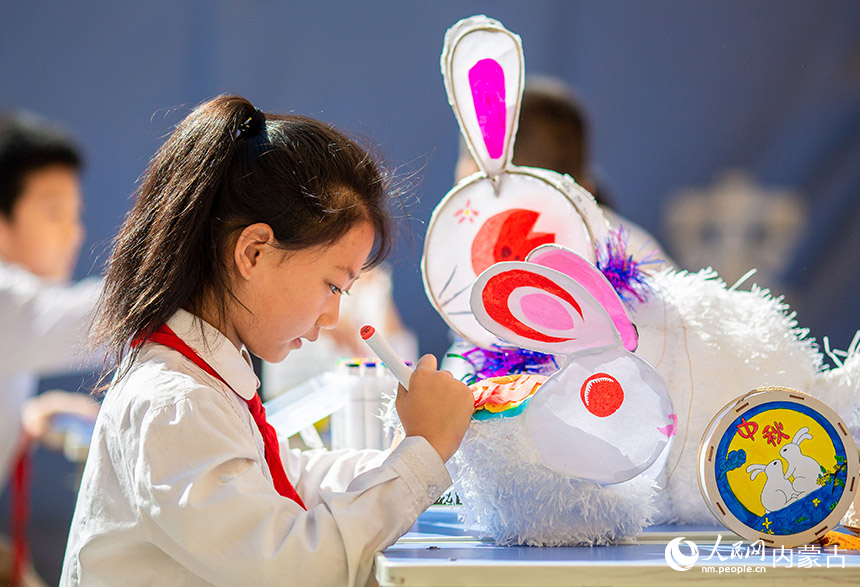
<point x="712" y="344"/>
<point x="839" y="387"/>
<point x="509" y="496"/>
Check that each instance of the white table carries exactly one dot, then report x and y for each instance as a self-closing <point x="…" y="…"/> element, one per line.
<point x="437" y="552"/>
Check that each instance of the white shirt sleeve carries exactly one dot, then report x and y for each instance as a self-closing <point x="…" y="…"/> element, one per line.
<point x="200" y="482"/>
<point x="314" y="471"/>
<point x="45" y="326"/>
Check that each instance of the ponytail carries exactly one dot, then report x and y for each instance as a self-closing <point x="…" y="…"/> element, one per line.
<point x="226" y="166"/>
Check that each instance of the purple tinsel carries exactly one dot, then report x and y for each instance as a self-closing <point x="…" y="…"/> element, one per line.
<point x="622" y="270"/>
<point x="498" y="361"/>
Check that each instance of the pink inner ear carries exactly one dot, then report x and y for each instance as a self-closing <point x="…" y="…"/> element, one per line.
<point x="487" y="80"/>
<point x="546" y="311"/>
<point x="589" y="277"/>
<point x="559" y="260"/>
<point x="498" y="289"/>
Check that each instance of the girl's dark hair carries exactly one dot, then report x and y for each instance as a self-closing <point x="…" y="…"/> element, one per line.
<point x="29" y="143"/>
<point x="225" y="167"/>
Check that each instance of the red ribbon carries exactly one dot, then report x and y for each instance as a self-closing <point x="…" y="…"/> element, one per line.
<point x="20" y="498"/>
<point x="164" y="335"/>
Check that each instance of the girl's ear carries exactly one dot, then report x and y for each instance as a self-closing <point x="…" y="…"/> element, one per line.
<point x="250" y="246"/>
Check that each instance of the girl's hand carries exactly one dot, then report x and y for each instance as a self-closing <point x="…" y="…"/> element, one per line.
<point x="436" y="406"/>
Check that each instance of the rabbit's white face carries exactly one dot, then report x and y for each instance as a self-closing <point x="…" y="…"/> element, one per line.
<point x="605" y="417"/>
<point x="789" y="450"/>
<point x="774" y="468"/>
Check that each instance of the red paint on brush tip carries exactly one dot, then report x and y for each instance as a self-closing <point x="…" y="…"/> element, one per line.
<point x="367" y="332"/>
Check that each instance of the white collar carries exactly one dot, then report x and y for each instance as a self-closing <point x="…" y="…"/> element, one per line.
<point x="232" y="364"/>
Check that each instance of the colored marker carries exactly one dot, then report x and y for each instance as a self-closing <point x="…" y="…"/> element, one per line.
<point x="384" y="351"/>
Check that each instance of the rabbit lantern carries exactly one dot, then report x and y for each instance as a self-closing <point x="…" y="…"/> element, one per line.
<point x="605" y="415"/>
<point x="510" y="252"/>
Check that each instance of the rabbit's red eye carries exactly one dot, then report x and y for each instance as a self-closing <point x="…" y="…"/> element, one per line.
<point x="602" y="394"/>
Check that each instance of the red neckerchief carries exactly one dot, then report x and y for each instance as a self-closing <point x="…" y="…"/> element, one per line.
<point x="20" y="499"/>
<point x="164" y="335"/>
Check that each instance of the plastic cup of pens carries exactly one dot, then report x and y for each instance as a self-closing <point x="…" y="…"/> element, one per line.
<point x="358" y="424"/>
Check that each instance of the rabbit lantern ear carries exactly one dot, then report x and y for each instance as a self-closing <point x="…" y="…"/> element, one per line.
<point x="589" y="277"/>
<point x="541" y="309"/>
<point x="503" y="212"/>
<point x="482" y="64"/>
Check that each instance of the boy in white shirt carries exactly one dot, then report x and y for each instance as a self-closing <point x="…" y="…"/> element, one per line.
<point x="44" y="320"/>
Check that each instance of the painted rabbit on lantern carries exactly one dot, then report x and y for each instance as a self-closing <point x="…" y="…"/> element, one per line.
<point x="804" y="469"/>
<point x="777" y="491"/>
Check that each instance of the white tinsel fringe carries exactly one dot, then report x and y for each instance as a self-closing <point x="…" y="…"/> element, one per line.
<point x="839" y="387"/>
<point x="509" y="496"/>
<point x="712" y="344"/>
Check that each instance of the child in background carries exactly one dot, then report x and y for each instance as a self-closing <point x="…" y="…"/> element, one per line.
<point x="247" y="229"/>
<point x="553" y="133"/>
<point x="44" y="321"/>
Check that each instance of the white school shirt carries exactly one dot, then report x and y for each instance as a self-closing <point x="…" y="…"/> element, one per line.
<point x="176" y="490"/>
<point x="43" y="329"/>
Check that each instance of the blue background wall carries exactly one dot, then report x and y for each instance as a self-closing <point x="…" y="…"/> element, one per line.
<point x="678" y="92"/>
